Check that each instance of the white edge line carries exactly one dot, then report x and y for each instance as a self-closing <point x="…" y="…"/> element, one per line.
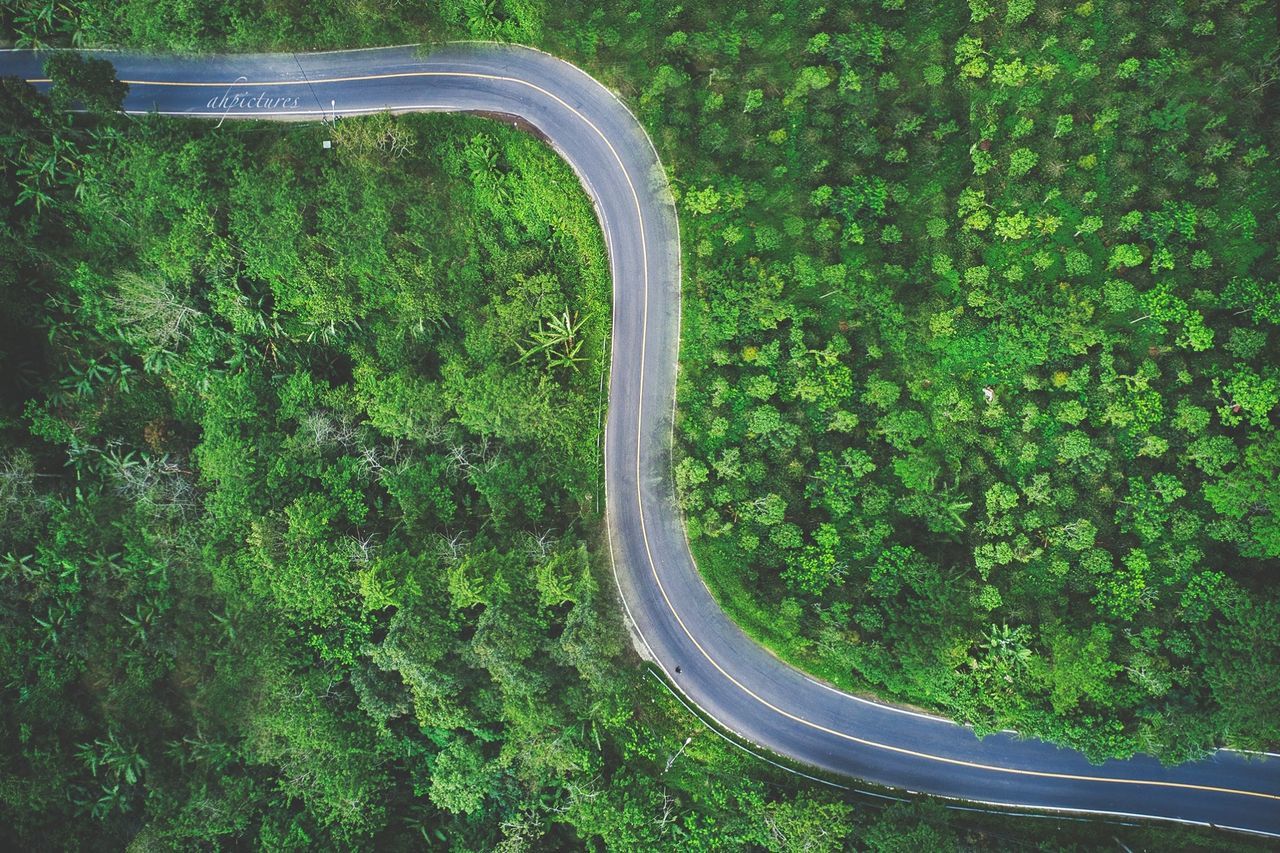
<point x="884" y="705"/>
<point x="1157" y="818"/>
<point x="1007" y="809"/>
<point x="745" y="749"/>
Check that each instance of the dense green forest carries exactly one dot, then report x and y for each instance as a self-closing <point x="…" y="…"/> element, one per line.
<point x="299" y="462"/>
<point x="981" y="351"/>
<point x="298" y="469"/>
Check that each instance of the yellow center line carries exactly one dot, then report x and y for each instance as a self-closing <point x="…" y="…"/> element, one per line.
<point x="958" y="762"/>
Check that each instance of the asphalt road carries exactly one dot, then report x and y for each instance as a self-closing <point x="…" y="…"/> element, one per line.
<point x="731" y="678"/>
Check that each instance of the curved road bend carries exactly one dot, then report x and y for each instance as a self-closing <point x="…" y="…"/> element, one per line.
<point x="730" y="677"/>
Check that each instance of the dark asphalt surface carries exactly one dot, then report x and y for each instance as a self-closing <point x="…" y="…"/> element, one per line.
<point x="731" y="678"/>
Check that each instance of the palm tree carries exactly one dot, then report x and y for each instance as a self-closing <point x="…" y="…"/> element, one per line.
<point x="1007" y="650"/>
<point x="558" y="340"/>
<point x="949" y="510"/>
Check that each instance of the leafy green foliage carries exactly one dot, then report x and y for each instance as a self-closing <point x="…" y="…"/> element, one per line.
<point x="248" y="468"/>
<point x="1014" y="365"/>
<point x="275" y="480"/>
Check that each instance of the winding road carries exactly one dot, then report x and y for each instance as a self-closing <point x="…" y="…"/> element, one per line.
<point x="674" y="618"/>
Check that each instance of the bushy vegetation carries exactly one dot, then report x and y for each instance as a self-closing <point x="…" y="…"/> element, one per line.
<point x="299" y="449"/>
<point x="981" y="354"/>
<point x="293" y="488"/>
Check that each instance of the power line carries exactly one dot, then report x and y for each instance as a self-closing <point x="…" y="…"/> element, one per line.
<point x="305" y="79"/>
